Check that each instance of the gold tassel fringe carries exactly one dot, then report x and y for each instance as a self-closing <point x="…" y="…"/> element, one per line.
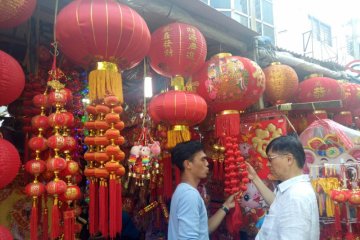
<point x="178" y="134"/>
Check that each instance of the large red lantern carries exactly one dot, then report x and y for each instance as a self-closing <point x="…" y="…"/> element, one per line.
<point x="281" y="83"/>
<point x="180" y="109"/>
<point x="177" y="49"/>
<point x="12" y="78"/>
<point x="351" y="100"/>
<point x="229" y="84"/>
<point x="318" y="88"/>
<point x="105" y="31"/>
<point x="5" y="233"/>
<point x="9" y="162"/>
<point x="13" y="13"/>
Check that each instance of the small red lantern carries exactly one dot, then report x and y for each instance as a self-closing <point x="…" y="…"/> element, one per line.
<point x="9" y="162"/>
<point x="56" y="164"/>
<point x="40" y="122"/>
<point x="281" y="83"/>
<point x="354" y="197"/>
<point x="180" y="109"/>
<point x="12" y="78"/>
<point x="56" y="187"/>
<point x="72" y="193"/>
<point x="56" y="142"/>
<point x="57" y="98"/>
<point x="13" y="13"/>
<point x="319" y="88"/>
<point x="40" y="100"/>
<point x="69" y="119"/>
<point x="71" y="168"/>
<point x="70" y="144"/>
<point x="35" y="167"/>
<point x="177" y="49"/>
<point x="38" y="144"/>
<point x="35" y="189"/>
<point x="340" y="195"/>
<point x="56" y="119"/>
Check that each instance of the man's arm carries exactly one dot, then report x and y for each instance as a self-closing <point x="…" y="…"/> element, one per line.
<point x="217" y="218"/>
<point x="265" y="192"/>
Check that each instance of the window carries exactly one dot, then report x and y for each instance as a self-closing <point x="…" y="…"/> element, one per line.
<point x="241" y="19"/>
<point x="220" y="3"/>
<point x="267" y="12"/>
<point x="227" y="13"/>
<point x="205" y="1"/>
<point x="257" y="9"/>
<point x="241" y="6"/>
<point x="259" y="27"/>
<point x="321" y="31"/>
<point x="269" y="32"/>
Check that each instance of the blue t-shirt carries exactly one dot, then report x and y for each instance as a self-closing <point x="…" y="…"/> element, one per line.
<point x="188" y="217"/>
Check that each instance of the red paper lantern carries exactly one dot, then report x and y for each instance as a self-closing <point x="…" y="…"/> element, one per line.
<point x="5" y="233"/>
<point x="35" y="167"/>
<point x="40" y="121"/>
<point x="177" y="49"/>
<point x="354" y="197"/>
<point x="70" y="144"/>
<point x="180" y="109"/>
<point x="12" y="78"/>
<point x="69" y="119"/>
<point x="56" y="142"/>
<point x="318" y="88"/>
<point x="56" y="119"/>
<point x="9" y="162"/>
<point x="40" y="100"/>
<point x="105" y="31"/>
<point x="340" y="195"/>
<point x="351" y="95"/>
<point x="13" y="13"/>
<point x="281" y="83"/>
<point x="71" y="168"/>
<point x="57" y="98"/>
<point x="34" y="189"/>
<point x="38" y="144"/>
<point x="229" y="82"/>
<point x="72" y="193"/>
<point x="56" y="164"/>
<point x="56" y="187"/>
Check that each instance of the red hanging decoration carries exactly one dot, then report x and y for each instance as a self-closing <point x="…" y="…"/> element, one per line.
<point x="9" y="162"/>
<point x="13" y="13"/>
<point x="12" y="78"/>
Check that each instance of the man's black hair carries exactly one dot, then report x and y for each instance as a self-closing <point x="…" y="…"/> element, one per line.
<point x="185" y="151"/>
<point x="288" y="144"/>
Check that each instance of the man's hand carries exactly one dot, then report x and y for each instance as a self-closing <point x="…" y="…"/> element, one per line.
<point x="230" y="201"/>
<point x="252" y="173"/>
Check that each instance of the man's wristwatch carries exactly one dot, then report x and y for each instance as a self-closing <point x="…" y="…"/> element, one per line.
<point x="226" y="210"/>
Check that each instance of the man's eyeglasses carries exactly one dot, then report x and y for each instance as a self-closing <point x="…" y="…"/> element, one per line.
<point x="271" y="158"/>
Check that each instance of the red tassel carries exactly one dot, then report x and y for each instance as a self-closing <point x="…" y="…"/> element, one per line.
<point x="216" y="170"/>
<point x="227" y="123"/>
<point x="167" y="175"/>
<point x="349" y="236"/>
<point x="69" y="225"/>
<point x="103" y="208"/>
<point x="119" y="206"/>
<point x="337" y="218"/>
<point x="177" y="176"/>
<point x="55" y="220"/>
<point x="34" y="221"/>
<point x="106" y="226"/>
<point x="45" y="219"/>
<point x="113" y="209"/>
<point x="221" y="170"/>
<point x="92" y="198"/>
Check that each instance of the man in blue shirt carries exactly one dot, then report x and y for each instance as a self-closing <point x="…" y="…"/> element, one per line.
<point x="188" y="215"/>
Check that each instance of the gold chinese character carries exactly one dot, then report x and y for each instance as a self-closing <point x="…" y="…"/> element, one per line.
<point x="167" y="44"/>
<point x="190" y="30"/>
<point x="166" y="35"/>
<point x="319" y="92"/>
<point x="190" y="55"/>
<point x="166" y="29"/>
<point x="168" y="52"/>
<point x="192" y="37"/>
<point x="192" y="46"/>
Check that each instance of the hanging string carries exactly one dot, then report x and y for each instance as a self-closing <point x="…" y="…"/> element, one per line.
<point x="54" y="43"/>
<point x="144" y="111"/>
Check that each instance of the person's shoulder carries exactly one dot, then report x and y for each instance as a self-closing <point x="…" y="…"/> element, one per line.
<point x="301" y="190"/>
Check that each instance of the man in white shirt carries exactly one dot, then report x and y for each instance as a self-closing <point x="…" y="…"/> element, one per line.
<point x="293" y="213"/>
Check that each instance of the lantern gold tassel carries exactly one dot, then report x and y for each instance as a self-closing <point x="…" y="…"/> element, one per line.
<point x="105" y="80"/>
<point x="178" y="134"/>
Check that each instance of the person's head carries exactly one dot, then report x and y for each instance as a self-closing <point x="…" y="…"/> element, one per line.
<point x="285" y="155"/>
<point x="190" y="157"/>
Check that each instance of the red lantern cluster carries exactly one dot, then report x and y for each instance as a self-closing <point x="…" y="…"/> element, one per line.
<point x="236" y="176"/>
<point x="177" y="49"/>
<point x="104" y="156"/>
